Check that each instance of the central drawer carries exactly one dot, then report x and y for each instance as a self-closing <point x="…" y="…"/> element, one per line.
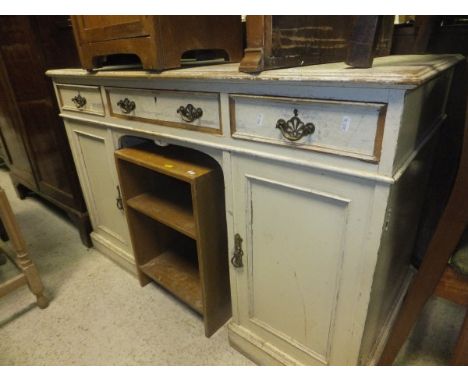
<point x="342" y="127"/>
<point x="190" y="110"/>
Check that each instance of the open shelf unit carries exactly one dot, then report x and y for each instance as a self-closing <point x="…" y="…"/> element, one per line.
<point x="174" y="204"/>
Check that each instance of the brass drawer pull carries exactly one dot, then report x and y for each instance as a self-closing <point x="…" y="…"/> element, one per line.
<point x="236" y="259"/>
<point x="126" y="105"/>
<point x="189" y="113"/>
<point x="295" y="129"/>
<point x="79" y="101"/>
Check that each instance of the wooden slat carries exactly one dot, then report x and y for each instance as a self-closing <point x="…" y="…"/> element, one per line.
<point x="179" y="274"/>
<point x="453" y="286"/>
<point x="209" y="215"/>
<point x="165" y="211"/>
<point x="12" y="284"/>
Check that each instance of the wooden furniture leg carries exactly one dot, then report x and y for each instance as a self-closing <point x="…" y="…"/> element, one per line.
<point x="82" y="222"/>
<point x="361" y="44"/>
<point x="23" y="261"/>
<point x="258" y="44"/>
<point x="442" y="245"/>
<point x="21" y="191"/>
<point x="460" y="355"/>
<point x="3" y="233"/>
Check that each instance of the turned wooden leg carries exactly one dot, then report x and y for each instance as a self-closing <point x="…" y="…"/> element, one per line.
<point x="35" y="283"/>
<point x="23" y="261"/>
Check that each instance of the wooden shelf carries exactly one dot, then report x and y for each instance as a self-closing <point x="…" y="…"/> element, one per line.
<point x="167" y="163"/>
<point x="178" y="273"/>
<point x="169" y="212"/>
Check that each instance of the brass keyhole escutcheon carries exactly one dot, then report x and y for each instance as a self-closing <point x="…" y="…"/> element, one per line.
<point x="236" y="259"/>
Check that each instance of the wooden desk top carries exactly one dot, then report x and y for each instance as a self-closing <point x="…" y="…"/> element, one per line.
<point x="405" y="71"/>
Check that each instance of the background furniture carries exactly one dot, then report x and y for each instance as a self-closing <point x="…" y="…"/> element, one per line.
<point x="3" y="150"/>
<point x="37" y="150"/>
<point x="20" y="257"/>
<point x="325" y="170"/>
<point x="158" y="41"/>
<point x="434" y="274"/>
<point x="283" y="41"/>
<point x="453" y="286"/>
<point x="440" y="35"/>
<point x="174" y="204"/>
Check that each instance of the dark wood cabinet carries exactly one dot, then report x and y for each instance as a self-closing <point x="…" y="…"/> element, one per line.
<point x="37" y="149"/>
<point x="286" y="41"/>
<point x="158" y="41"/>
<point x="12" y="138"/>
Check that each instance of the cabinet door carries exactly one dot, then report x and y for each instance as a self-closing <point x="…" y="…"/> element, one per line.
<point x="93" y="152"/>
<point x="15" y="151"/>
<point x="38" y="122"/>
<point x="300" y="233"/>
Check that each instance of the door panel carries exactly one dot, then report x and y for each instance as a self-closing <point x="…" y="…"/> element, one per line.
<point x="296" y="238"/>
<point x="51" y="172"/>
<point x="92" y="148"/>
<point x="38" y="124"/>
<point x="297" y="226"/>
<point x="10" y="127"/>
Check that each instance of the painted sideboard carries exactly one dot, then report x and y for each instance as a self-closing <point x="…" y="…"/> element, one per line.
<point x="325" y="170"/>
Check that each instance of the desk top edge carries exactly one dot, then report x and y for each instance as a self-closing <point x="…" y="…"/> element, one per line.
<point x="407" y="71"/>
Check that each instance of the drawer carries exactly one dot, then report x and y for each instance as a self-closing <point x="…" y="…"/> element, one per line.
<point x="346" y="128"/>
<point x="189" y="110"/>
<point x="83" y="99"/>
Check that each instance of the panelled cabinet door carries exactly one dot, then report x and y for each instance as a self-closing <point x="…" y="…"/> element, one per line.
<point x="16" y="155"/>
<point x="93" y="152"/>
<point x="298" y="239"/>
